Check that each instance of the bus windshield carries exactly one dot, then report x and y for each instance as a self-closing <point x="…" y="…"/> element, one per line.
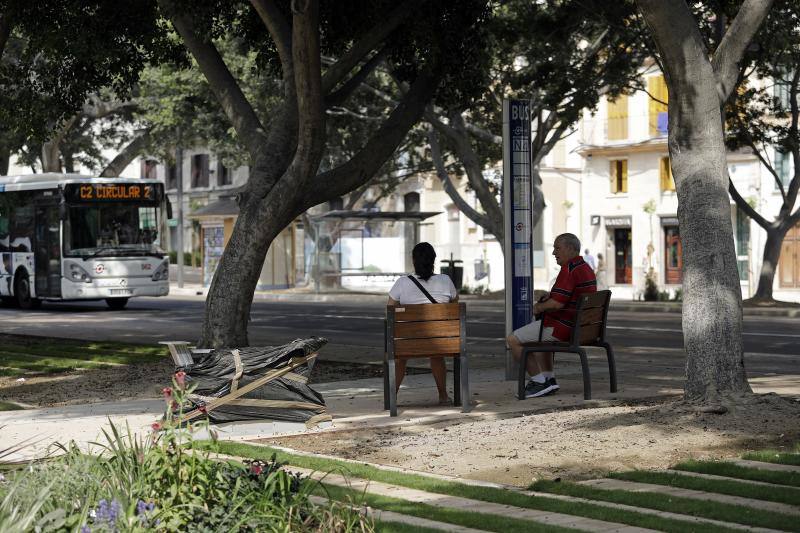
<point x="111" y="229"/>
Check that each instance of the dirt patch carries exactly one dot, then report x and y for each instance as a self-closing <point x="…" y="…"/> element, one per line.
<point x="573" y="444"/>
<point x="140" y="381"/>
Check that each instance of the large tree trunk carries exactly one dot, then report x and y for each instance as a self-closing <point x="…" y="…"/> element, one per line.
<point x="769" y="264"/>
<point x="712" y="297"/>
<point x="51" y="156"/>
<point x="126" y="156"/>
<point x="5" y="160"/>
<point x="260" y="221"/>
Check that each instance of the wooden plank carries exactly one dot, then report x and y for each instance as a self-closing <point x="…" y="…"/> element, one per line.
<point x="418" y="312"/>
<point x="590" y="316"/>
<point x="427" y="347"/>
<point x="589" y="333"/>
<point x="427" y="330"/>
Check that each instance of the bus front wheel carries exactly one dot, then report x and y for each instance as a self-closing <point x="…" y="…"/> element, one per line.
<point x="22" y="293"/>
<point x="117" y="303"/>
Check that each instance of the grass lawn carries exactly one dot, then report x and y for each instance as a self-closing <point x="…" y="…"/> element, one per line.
<point x="673" y="504"/>
<point x="9" y="406"/>
<point x="743" y="489"/>
<point x="773" y="456"/>
<point x="397" y="527"/>
<point x="439" y="486"/>
<point x="486" y="522"/>
<point x="722" y="468"/>
<point x="21" y="355"/>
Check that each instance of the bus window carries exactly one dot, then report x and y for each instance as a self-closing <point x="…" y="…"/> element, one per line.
<point x="109" y="229"/>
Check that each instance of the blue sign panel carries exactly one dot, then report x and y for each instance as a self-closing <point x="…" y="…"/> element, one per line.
<point x="517" y="202"/>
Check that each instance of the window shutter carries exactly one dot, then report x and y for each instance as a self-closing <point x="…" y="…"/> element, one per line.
<point x="612" y="173"/>
<point x="657" y="87"/>
<point x="617" y="113"/>
<point x="624" y="172"/>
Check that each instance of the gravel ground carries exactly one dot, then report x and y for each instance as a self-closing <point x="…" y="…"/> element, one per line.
<point x="572" y="444"/>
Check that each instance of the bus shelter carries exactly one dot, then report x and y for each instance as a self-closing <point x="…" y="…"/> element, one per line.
<point x="362" y="249"/>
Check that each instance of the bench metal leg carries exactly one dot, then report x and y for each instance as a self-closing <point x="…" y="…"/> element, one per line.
<point x="523" y="364"/>
<point x="392" y="371"/>
<point x="464" y="388"/>
<point x="587" y="382"/>
<point x="456" y="381"/>
<point x="612" y="366"/>
<point x="385" y="384"/>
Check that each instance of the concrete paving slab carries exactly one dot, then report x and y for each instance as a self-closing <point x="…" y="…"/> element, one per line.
<point x="455" y="502"/>
<point x="391" y="516"/>
<point x="775" y="467"/>
<point x="633" y="486"/>
<point x="723" y="478"/>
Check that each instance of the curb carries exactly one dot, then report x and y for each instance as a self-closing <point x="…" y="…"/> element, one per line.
<point x="358" y="297"/>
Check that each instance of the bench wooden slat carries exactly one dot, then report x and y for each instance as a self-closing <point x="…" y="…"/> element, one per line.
<point x="592" y="316"/>
<point x="427" y="347"/>
<point x="427" y="330"/>
<point x="590" y="333"/>
<point x="420" y="312"/>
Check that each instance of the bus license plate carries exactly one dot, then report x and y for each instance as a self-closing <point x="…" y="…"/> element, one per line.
<point x="121" y="292"/>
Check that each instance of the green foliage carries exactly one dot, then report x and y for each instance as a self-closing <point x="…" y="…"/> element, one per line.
<point x="48" y="69"/>
<point x="650" y="286"/>
<point x="159" y="483"/>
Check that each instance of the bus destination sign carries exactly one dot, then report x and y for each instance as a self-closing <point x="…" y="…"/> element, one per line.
<point x="115" y="192"/>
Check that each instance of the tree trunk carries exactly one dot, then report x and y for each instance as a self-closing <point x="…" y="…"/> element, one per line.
<point x="126" y="156"/>
<point x="5" y="160"/>
<point x="260" y="221"/>
<point x="712" y="296"/>
<point x="51" y="156"/>
<point x="769" y="264"/>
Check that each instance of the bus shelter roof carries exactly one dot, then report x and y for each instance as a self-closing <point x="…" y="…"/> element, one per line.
<point x="397" y="216"/>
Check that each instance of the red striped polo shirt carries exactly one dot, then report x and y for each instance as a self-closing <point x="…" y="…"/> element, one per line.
<point x="575" y="279"/>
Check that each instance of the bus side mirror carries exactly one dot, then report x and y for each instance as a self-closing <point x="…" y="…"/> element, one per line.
<point x="169" y="209"/>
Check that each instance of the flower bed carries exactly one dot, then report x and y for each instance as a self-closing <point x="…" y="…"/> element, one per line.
<point x="158" y="482"/>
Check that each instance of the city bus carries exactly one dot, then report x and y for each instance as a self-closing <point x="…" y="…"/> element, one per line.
<point x="75" y="237"/>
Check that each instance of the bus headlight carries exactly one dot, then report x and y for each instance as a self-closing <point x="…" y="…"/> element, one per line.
<point x="78" y="274"/>
<point x="162" y="272"/>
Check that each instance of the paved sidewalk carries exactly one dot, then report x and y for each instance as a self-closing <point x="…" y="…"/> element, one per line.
<point x="308" y="295"/>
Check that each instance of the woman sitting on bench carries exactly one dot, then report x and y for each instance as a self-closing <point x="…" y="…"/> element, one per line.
<point x="424" y="287"/>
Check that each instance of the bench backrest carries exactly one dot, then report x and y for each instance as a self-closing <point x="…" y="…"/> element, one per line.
<point x="426" y="329"/>
<point x="591" y="313"/>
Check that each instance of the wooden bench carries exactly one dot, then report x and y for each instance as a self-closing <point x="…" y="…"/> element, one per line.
<point x="591" y="313"/>
<point x="426" y="330"/>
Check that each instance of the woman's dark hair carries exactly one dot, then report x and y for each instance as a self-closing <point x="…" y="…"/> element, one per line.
<point x="423" y="256"/>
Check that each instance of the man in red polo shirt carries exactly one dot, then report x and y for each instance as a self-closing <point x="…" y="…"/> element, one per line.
<point x="575" y="278"/>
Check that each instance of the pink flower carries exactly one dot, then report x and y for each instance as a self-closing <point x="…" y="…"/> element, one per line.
<point x="202" y="408"/>
<point x="156" y="426"/>
<point x="180" y="379"/>
<point x="167" y="392"/>
<point x="256" y="469"/>
<point x="175" y="405"/>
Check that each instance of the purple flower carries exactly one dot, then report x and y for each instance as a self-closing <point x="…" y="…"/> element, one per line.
<point x="85" y="529"/>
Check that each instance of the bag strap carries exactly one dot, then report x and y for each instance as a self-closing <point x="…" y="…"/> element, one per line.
<point x="420" y="287"/>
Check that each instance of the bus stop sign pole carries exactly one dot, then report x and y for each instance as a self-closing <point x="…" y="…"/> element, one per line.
<point x="517" y="219"/>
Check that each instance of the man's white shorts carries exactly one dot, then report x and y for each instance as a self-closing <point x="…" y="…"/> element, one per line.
<point x="530" y="333"/>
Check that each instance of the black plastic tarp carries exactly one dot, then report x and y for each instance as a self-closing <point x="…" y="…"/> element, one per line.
<point x="285" y="398"/>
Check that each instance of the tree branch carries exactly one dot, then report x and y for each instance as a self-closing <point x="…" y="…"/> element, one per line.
<point x="747" y="208"/>
<point x="342" y="93"/>
<point x="230" y="96"/>
<point x="281" y="34"/>
<point x="447" y="184"/>
<point x="381" y="145"/>
<point x="368" y="42"/>
<point x="126" y="155"/>
<point x="736" y="40"/>
<point x="308" y="84"/>
<point x="5" y="30"/>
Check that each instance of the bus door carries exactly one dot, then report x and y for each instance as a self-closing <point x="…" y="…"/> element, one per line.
<point x="47" y="251"/>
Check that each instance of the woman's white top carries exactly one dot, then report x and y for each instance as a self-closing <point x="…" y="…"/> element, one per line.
<point x="440" y="286"/>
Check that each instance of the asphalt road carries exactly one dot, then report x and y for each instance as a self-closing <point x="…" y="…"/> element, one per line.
<point x="355" y="329"/>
